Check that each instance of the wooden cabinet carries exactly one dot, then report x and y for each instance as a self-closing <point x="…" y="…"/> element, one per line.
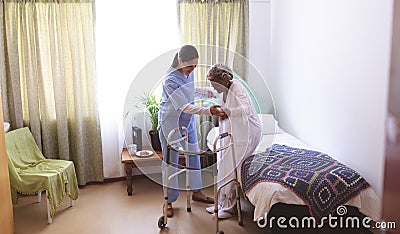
<point x="391" y="187"/>
<point x="6" y="214"/>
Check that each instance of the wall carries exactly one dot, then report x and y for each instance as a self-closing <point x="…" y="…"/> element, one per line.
<point x="329" y="79"/>
<point x="260" y="51"/>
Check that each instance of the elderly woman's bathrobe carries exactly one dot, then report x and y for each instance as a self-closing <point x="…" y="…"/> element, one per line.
<point x="245" y="126"/>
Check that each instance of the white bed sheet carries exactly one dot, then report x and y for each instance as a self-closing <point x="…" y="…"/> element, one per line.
<point x="264" y="195"/>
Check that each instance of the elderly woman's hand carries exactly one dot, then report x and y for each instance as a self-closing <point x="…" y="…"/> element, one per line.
<point x="217" y="110"/>
<point x="223" y="116"/>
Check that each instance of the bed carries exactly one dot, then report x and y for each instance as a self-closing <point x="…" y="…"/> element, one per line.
<point x="339" y="185"/>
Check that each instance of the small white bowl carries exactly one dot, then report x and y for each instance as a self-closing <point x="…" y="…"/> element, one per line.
<point x="6" y="127"/>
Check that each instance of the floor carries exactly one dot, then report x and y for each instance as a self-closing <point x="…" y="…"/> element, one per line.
<point x="106" y="208"/>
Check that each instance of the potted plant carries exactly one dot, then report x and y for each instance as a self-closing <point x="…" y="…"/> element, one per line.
<point x="151" y="104"/>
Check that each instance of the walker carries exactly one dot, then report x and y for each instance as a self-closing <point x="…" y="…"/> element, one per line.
<point x="174" y="145"/>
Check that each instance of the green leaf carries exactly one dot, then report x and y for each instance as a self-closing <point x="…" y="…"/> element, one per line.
<point x="151" y="104"/>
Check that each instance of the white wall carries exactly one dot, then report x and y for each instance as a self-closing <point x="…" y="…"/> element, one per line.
<point x="329" y="79"/>
<point x="260" y="35"/>
<point x="260" y="51"/>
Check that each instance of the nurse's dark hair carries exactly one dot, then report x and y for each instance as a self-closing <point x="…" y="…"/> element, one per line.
<point x="220" y="72"/>
<point x="186" y="53"/>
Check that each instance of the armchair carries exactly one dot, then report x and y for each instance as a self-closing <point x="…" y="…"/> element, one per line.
<point x="31" y="173"/>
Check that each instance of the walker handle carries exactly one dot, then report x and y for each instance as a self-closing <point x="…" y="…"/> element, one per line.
<point x="221" y="136"/>
<point x="173" y="131"/>
<point x="225" y="134"/>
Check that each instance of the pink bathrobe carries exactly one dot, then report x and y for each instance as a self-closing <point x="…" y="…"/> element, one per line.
<point x="245" y="126"/>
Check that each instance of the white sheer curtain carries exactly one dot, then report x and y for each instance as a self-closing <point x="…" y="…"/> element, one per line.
<point x="129" y="34"/>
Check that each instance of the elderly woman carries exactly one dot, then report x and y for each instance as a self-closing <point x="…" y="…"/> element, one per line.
<point x="241" y="120"/>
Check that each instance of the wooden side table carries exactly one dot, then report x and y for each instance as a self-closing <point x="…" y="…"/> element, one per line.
<point x="131" y="162"/>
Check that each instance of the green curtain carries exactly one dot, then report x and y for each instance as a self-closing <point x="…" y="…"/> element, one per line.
<point x="47" y="77"/>
<point x="219" y="30"/>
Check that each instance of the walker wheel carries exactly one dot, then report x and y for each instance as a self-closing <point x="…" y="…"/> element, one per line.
<point x="240" y="223"/>
<point x="161" y="224"/>
<point x="220" y="232"/>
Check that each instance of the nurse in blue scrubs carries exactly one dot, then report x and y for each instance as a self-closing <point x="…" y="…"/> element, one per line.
<point x="178" y="109"/>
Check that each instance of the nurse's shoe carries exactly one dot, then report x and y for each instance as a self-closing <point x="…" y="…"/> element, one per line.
<point x="170" y="210"/>
<point x="200" y="197"/>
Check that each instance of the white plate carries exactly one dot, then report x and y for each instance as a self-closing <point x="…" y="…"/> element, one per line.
<point x="144" y="153"/>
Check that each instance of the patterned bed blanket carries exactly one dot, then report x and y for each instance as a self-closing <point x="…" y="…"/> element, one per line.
<point x="320" y="181"/>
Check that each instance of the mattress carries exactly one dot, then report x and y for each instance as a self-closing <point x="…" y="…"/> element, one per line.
<point x="264" y="195"/>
